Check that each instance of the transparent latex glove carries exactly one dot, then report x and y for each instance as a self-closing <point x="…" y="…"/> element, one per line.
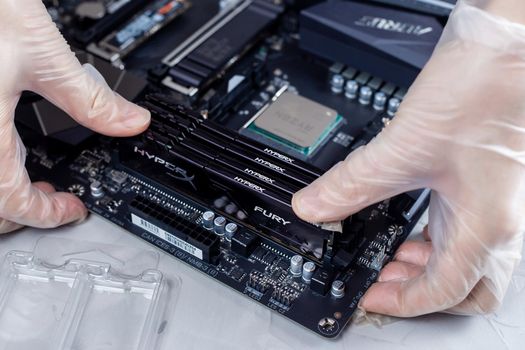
<point x="35" y="57"/>
<point x="461" y="132"/>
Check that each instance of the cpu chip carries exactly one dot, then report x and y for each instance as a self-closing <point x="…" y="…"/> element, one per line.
<point x="296" y="122"/>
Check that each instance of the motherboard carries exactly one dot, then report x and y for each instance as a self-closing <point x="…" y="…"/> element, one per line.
<point x="245" y="112"/>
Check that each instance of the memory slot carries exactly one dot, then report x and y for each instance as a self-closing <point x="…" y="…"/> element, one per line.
<point x="171" y="138"/>
<point x="259" y="148"/>
<point x="241" y="168"/>
<point x="182" y="121"/>
<point x="222" y="176"/>
<point x="187" y="173"/>
<point x="201" y="176"/>
<point x="227" y="177"/>
<point x="251" y="158"/>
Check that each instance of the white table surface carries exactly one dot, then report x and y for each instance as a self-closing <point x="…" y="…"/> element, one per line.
<point x="209" y="315"/>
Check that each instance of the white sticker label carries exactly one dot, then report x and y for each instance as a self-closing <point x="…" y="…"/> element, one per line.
<point x="168" y="237"/>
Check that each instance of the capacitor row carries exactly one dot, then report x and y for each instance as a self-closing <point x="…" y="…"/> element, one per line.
<point x="298" y="268"/>
<point x="219" y="225"/>
<point x="364" y="94"/>
<point x="305" y="270"/>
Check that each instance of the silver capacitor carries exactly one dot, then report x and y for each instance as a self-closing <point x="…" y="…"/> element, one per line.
<point x="296" y="265"/>
<point x="337" y="83"/>
<point x="218" y="225"/>
<point x="351" y="89"/>
<point x="207" y="219"/>
<point x="393" y="106"/>
<point x="96" y="189"/>
<point x="338" y="288"/>
<point x="229" y="230"/>
<point x="365" y="95"/>
<point x="379" y="101"/>
<point x="308" y="271"/>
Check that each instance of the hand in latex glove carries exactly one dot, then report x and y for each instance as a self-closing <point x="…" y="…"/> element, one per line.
<point x="461" y="132"/>
<point x="35" y="57"/>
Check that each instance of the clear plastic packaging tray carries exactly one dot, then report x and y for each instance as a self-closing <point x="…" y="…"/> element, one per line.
<point x="80" y="305"/>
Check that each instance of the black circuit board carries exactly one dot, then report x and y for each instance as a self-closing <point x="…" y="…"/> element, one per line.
<point x="262" y="275"/>
<point x="269" y="62"/>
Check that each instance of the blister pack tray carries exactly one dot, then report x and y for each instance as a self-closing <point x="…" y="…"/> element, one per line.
<point x="79" y="305"/>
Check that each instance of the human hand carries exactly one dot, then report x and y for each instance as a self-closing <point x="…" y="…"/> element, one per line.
<point x="461" y="132"/>
<point x="35" y="57"/>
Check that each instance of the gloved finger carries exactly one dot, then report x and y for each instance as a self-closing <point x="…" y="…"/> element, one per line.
<point x="401" y="271"/>
<point x="44" y="186"/>
<point x="9" y="226"/>
<point x="449" y="277"/>
<point x="480" y="301"/>
<point x="414" y="252"/>
<point x="79" y="90"/>
<point x="370" y="174"/>
<point x="26" y="204"/>
<point x="445" y="283"/>
<point x="361" y="317"/>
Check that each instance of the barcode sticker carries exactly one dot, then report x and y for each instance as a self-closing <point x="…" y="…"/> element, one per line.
<point x="168" y="237"/>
